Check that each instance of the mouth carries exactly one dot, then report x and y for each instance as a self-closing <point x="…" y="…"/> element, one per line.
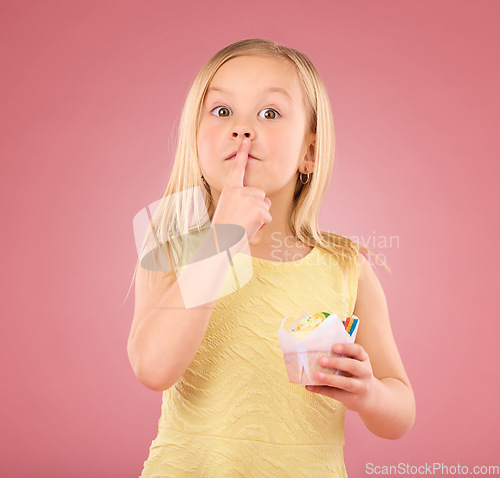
<point x="249" y="157"/>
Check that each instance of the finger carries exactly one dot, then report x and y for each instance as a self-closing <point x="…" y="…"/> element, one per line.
<point x="237" y="173"/>
<point x="355" y="351"/>
<point x="345" y="364"/>
<point x="335" y="393"/>
<point x="349" y="384"/>
<point x="256" y="192"/>
<point x="267" y="219"/>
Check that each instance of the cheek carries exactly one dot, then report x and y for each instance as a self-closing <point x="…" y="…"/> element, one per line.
<point x="207" y="158"/>
<point x="286" y="154"/>
<point x="204" y="147"/>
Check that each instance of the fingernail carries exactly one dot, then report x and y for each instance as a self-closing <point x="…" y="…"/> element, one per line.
<point x="246" y="140"/>
<point x="337" y="348"/>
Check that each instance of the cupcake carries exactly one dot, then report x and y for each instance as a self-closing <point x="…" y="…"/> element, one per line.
<point x="311" y="337"/>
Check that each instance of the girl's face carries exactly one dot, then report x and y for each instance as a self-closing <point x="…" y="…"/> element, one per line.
<point x="258" y="97"/>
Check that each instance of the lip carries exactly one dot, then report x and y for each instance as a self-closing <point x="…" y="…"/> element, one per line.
<point x="234" y="156"/>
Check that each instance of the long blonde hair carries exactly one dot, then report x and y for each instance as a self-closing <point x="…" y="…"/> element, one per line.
<point x="171" y="218"/>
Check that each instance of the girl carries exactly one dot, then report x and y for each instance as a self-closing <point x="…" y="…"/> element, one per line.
<point x="256" y="135"/>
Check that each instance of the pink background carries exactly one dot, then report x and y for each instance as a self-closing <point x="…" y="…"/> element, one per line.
<point x="91" y="97"/>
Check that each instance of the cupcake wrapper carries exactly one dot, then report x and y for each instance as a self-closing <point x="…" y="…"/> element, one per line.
<point x="302" y="359"/>
<point x="301" y="355"/>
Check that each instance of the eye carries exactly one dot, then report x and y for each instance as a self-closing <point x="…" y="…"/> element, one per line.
<point x="274" y="113"/>
<point x="222" y="108"/>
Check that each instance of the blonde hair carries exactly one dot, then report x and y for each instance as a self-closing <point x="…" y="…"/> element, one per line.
<point x="171" y="219"/>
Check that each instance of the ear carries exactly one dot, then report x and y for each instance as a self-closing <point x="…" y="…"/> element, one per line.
<point x="309" y="156"/>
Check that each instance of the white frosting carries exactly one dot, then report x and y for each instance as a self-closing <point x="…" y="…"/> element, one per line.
<point x="305" y="326"/>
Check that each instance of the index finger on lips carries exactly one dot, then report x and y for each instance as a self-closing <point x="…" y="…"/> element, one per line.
<point x="237" y="172"/>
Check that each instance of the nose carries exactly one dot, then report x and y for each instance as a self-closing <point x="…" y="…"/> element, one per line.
<point x="241" y="132"/>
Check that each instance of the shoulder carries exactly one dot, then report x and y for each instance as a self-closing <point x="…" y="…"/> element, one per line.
<point x="364" y="267"/>
<point x="370" y="293"/>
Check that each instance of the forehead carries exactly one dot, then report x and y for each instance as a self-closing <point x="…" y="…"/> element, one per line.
<point x="246" y="74"/>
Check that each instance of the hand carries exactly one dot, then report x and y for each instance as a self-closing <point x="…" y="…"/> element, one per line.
<point x="242" y="205"/>
<point x="356" y="390"/>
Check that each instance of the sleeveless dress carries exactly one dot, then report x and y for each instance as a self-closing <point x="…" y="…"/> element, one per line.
<point x="234" y="412"/>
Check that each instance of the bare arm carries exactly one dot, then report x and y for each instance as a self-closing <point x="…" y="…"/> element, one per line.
<point x="391" y="411"/>
<point x="165" y="335"/>
<point x="376" y="386"/>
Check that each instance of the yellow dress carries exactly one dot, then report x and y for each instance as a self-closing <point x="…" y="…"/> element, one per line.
<point x="233" y="412"/>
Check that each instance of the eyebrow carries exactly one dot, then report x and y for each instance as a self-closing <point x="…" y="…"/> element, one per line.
<point x="272" y="89"/>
